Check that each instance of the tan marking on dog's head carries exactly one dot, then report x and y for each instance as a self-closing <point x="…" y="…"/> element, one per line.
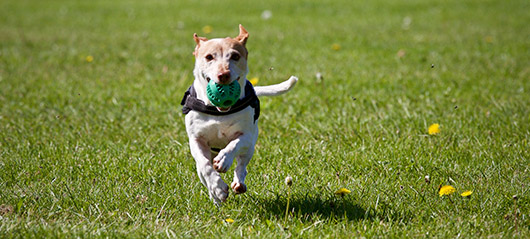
<point x="223" y="60"/>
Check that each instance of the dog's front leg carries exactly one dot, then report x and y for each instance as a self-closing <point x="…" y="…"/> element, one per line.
<point x="217" y="188"/>
<point x="226" y="156"/>
<point x="241" y="147"/>
<point x="240" y="173"/>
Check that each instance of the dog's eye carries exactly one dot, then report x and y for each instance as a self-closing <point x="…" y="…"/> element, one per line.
<point x="209" y="57"/>
<point x="235" y="57"/>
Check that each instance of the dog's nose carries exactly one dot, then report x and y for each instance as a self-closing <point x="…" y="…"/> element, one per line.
<point x="224" y="77"/>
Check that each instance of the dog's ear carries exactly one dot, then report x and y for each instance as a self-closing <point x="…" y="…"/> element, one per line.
<point x="243" y="35"/>
<point x="198" y="41"/>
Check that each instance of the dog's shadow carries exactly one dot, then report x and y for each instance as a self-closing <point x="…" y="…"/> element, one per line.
<point x="309" y="207"/>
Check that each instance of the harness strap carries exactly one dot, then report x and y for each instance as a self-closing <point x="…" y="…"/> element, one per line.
<point x="190" y="102"/>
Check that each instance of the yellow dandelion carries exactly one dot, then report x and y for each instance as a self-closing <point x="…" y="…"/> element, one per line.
<point x="446" y="190"/>
<point x="434" y="129"/>
<point x="254" y="80"/>
<point x="207" y="29"/>
<point x="229" y="220"/>
<point x="466" y="194"/>
<point x="89" y="58"/>
<point x="488" y="39"/>
<point x="335" y="46"/>
<point x="342" y="192"/>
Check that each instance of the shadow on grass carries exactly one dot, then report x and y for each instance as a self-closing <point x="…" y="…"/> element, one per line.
<point x="309" y="207"/>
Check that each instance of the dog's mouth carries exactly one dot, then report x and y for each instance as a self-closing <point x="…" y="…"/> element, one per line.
<point x="208" y="79"/>
<point x="221" y="109"/>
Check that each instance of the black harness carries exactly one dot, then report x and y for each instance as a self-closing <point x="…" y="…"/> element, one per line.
<point x="190" y="102"/>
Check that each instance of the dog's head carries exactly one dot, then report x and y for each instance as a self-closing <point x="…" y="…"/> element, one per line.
<point x="222" y="60"/>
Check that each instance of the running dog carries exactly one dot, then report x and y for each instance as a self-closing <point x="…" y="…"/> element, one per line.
<point x="217" y="135"/>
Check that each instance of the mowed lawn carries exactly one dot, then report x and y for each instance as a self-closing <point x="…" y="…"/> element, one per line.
<point x="93" y="143"/>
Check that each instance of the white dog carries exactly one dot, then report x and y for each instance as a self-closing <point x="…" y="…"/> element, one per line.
<point x="217" y="136"/>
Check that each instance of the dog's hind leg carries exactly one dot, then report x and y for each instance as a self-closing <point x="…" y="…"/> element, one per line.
<point x="217" y="188"/>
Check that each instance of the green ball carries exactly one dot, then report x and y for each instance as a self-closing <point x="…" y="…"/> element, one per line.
<point x="223" y="96"/>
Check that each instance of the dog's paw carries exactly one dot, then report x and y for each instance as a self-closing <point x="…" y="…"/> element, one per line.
<point x="222" y="162"/>
<point x="219" y="194"/>
<point x="239" y="187"/>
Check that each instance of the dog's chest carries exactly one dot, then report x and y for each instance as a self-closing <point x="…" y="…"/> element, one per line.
<point x="218" y="131"/>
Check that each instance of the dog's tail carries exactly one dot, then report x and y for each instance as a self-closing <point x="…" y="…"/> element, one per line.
<point x="278" y="89"/>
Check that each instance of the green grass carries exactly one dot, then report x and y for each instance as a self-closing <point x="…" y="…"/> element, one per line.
<point x="97" y="149"/>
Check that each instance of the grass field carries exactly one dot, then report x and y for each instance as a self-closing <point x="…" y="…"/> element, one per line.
<point x="92" y="138"/>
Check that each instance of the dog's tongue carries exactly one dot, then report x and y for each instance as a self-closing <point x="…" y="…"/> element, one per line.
<point x="223" y="109"/>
